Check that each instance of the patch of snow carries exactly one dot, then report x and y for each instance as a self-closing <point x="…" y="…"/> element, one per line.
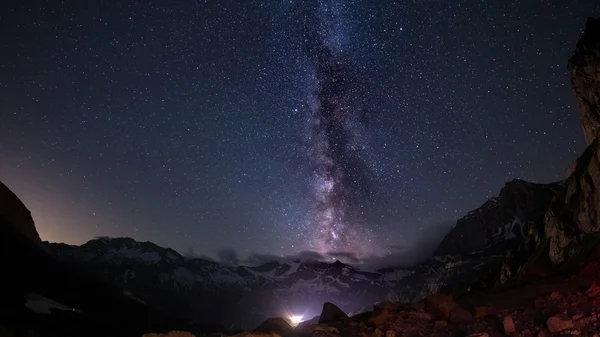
<point x="133" y="254"/>
<point x="396" y="275"/>
<point x="40" y="304"/>
<point x="507" y="231"/>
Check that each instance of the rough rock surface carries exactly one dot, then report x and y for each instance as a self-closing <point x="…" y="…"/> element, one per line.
<point x="576" y="212"/>
<point x="584" y="68"/>
<point x="440" y="305"/>
<point x="14" y="212"/>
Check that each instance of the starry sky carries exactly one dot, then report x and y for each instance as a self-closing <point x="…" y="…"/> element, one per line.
<point x="356" y="127"/>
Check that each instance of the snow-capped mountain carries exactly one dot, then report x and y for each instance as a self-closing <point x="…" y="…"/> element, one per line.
<point x="207" y="291"/>
<point x="471" y="255"/>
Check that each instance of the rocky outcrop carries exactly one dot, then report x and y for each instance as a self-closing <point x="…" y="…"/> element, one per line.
<point x="331" y="313"/>
<point x="500" y="219"/>
<point x="584" y="68"/>
<point x="14" y="212"/>
<point x="575" y="214"/>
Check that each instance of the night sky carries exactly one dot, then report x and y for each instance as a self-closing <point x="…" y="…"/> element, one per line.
<point x="276" y="127"/>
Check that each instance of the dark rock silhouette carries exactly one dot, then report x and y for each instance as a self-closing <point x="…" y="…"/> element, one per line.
<point x="332" y="313"/>
<point x="14" y="213"/>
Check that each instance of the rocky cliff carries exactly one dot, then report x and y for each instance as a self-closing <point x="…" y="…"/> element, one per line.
<point x="584" y="68"/>
<point x="573" y="220"/>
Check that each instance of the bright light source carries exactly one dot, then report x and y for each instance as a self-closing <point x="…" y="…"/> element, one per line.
<point x="296" y="319"/>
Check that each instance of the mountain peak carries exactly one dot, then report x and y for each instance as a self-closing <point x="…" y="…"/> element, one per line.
<point x="506" y="216"/>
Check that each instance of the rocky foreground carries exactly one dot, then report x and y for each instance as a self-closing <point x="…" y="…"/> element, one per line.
<point x="563" y="306"/>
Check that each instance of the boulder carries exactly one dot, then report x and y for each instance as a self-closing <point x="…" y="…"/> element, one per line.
<point x="422" y="316"/>
<point x="276" y="325"/>
<point x="459" y="315"/>
<point x="332" y="313"/>
<point x="481" y="312"/>
<point x="558" y="323"/>
<point x="509" y="325"/>
<point x="593" y="291"/>
<point x="439" y="324"/>
<point x="440" y="305"/>
<point x="380" y="316"/>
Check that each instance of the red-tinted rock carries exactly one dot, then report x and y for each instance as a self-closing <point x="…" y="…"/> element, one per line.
<point x="591" y="270"/>
<point x="440" y="305"/>
<point x="544" y="333"/>
<point x="509" y="325"/>
<point x="380" y="316"/>
<point x="418" y="305"/>
<point x="593" y="291"/>
<point x="439" y="324"/>
<point x="558" y="323"/>
<point x="421" y="315"/>
<point x="390" y="306"/>
<point x="481" y="312"/>
<point x="459" y="315"/>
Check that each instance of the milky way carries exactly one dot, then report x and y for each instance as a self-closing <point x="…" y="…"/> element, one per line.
<point x="340" y="174"/>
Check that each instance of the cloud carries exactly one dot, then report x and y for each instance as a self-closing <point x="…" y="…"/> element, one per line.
<point x="346" y="257"/>
<point x="228" y="256"/>
<point x="418" y="249"/>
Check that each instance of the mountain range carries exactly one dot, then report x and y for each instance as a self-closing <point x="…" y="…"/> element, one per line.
<point x="204" y="291"/>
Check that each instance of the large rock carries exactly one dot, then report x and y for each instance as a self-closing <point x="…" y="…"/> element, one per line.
<point x="459" y="315"/>
<point x="332" y="313"/>
<point x="574" y="215"/>
<point x="558" y="323"/>
<point x="584" y="68"/>
<point x="440" y="305"/>
<point x="14" y="212"/>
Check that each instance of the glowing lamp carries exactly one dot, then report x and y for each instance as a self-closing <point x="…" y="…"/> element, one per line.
<point x="296" y="319"/>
